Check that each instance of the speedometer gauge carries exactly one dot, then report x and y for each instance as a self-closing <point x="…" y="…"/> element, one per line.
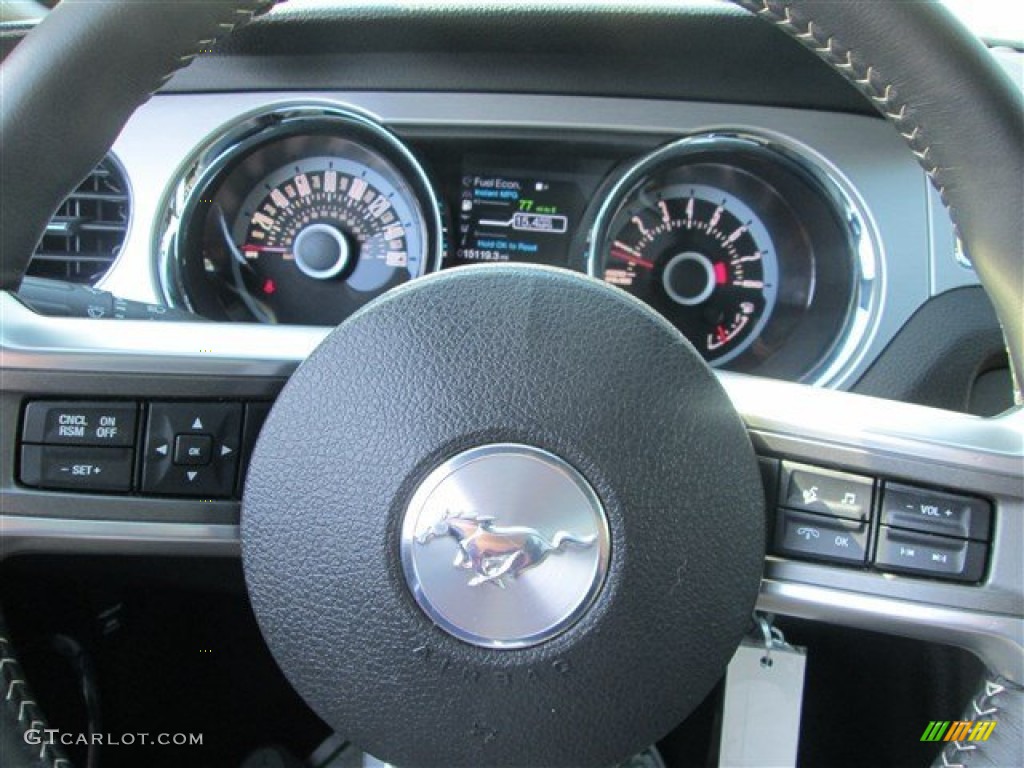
<point x="330" y="218"/>
<point x="702" y="258"/>
<point x="304" y="221"/>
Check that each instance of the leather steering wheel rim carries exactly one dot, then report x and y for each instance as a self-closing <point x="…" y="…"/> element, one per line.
<point x="968" y="142"/>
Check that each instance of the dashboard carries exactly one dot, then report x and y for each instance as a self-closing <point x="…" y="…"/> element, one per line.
<point x="764" y="234"/>
<point x="698" y="162"/>
<point x="844" y="241"/>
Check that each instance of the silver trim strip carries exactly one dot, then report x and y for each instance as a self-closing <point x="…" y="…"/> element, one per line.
<point x="34" y="342"/>
<point x="998" y="640"/>
<point x="992" y="447"/>
<point x="21" y="535"/>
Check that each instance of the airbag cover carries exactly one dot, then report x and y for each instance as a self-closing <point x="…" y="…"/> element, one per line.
<point x="521" y="355"/>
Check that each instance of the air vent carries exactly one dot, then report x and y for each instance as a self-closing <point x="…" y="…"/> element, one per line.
<point x="85" y="236"/>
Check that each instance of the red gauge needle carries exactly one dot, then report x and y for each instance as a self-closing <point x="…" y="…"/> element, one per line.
<point x="721" y="277"/>
<point x="265" y="248"/>
<point x="627" y="254"/>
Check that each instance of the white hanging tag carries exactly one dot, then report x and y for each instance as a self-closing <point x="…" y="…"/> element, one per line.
<point x="764" y="689"/>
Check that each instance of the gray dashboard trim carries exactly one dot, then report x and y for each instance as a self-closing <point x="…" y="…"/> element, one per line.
<point x="997" y="640"/>
<point x="950" y="267"/>
<point x="32" y="342"/>
<point x="163" y="138"/>
<point x="871" y="427"/>
<point x="22" y="535"/>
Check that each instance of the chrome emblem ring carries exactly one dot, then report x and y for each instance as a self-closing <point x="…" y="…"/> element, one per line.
<point x="505" y="546"/>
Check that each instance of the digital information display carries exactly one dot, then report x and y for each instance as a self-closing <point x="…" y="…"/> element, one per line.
<point x="517" y="218"/>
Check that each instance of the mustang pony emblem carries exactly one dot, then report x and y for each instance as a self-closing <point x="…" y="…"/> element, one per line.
<point x="492" y="552"/>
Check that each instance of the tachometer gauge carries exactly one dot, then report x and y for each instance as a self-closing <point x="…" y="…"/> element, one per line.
<point x="305" y="221"/>
<point x="743" y="245"/>
<point x="702" y="258"/>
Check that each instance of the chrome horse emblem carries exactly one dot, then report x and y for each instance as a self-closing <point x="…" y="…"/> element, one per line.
<point x="539" y="505"/>
<point x="492" y="552"/>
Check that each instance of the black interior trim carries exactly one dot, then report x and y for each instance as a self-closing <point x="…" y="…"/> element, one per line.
<point x="656" y="52"/>
<point x="936" y="357"/>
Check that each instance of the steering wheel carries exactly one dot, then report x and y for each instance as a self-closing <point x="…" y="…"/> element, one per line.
<point x="518" y="653"/>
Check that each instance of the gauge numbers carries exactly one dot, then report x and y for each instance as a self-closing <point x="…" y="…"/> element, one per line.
<point x="702" y="258"/>
<point x="330" y="218"/>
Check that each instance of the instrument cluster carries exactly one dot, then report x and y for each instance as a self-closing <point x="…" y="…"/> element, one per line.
<point x="751" y="248"/>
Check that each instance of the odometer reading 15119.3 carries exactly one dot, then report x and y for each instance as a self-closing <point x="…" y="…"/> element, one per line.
<point x="702" y="258"/>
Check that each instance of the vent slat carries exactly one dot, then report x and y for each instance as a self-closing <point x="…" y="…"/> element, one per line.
<point x="65" y="227"/>
<point x="103" y="226"/>
<point x="105" y="197"/>
<point x="84" y="237"/>
<point x="68" y="258"/>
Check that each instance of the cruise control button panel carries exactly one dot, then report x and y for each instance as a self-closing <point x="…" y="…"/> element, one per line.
<point x="186" y="448"/>
<point x="64" y="423"/>
<point x="191" y="449"/>
<point x="200" y="450"/>
<point x="77" y="468"/>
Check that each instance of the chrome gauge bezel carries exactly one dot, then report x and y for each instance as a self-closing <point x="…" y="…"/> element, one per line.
<point x="207" y="166"/>
<point x="860" y="316"/>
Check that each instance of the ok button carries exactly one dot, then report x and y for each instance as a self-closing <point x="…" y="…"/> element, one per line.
<point x="193" y="450"/>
